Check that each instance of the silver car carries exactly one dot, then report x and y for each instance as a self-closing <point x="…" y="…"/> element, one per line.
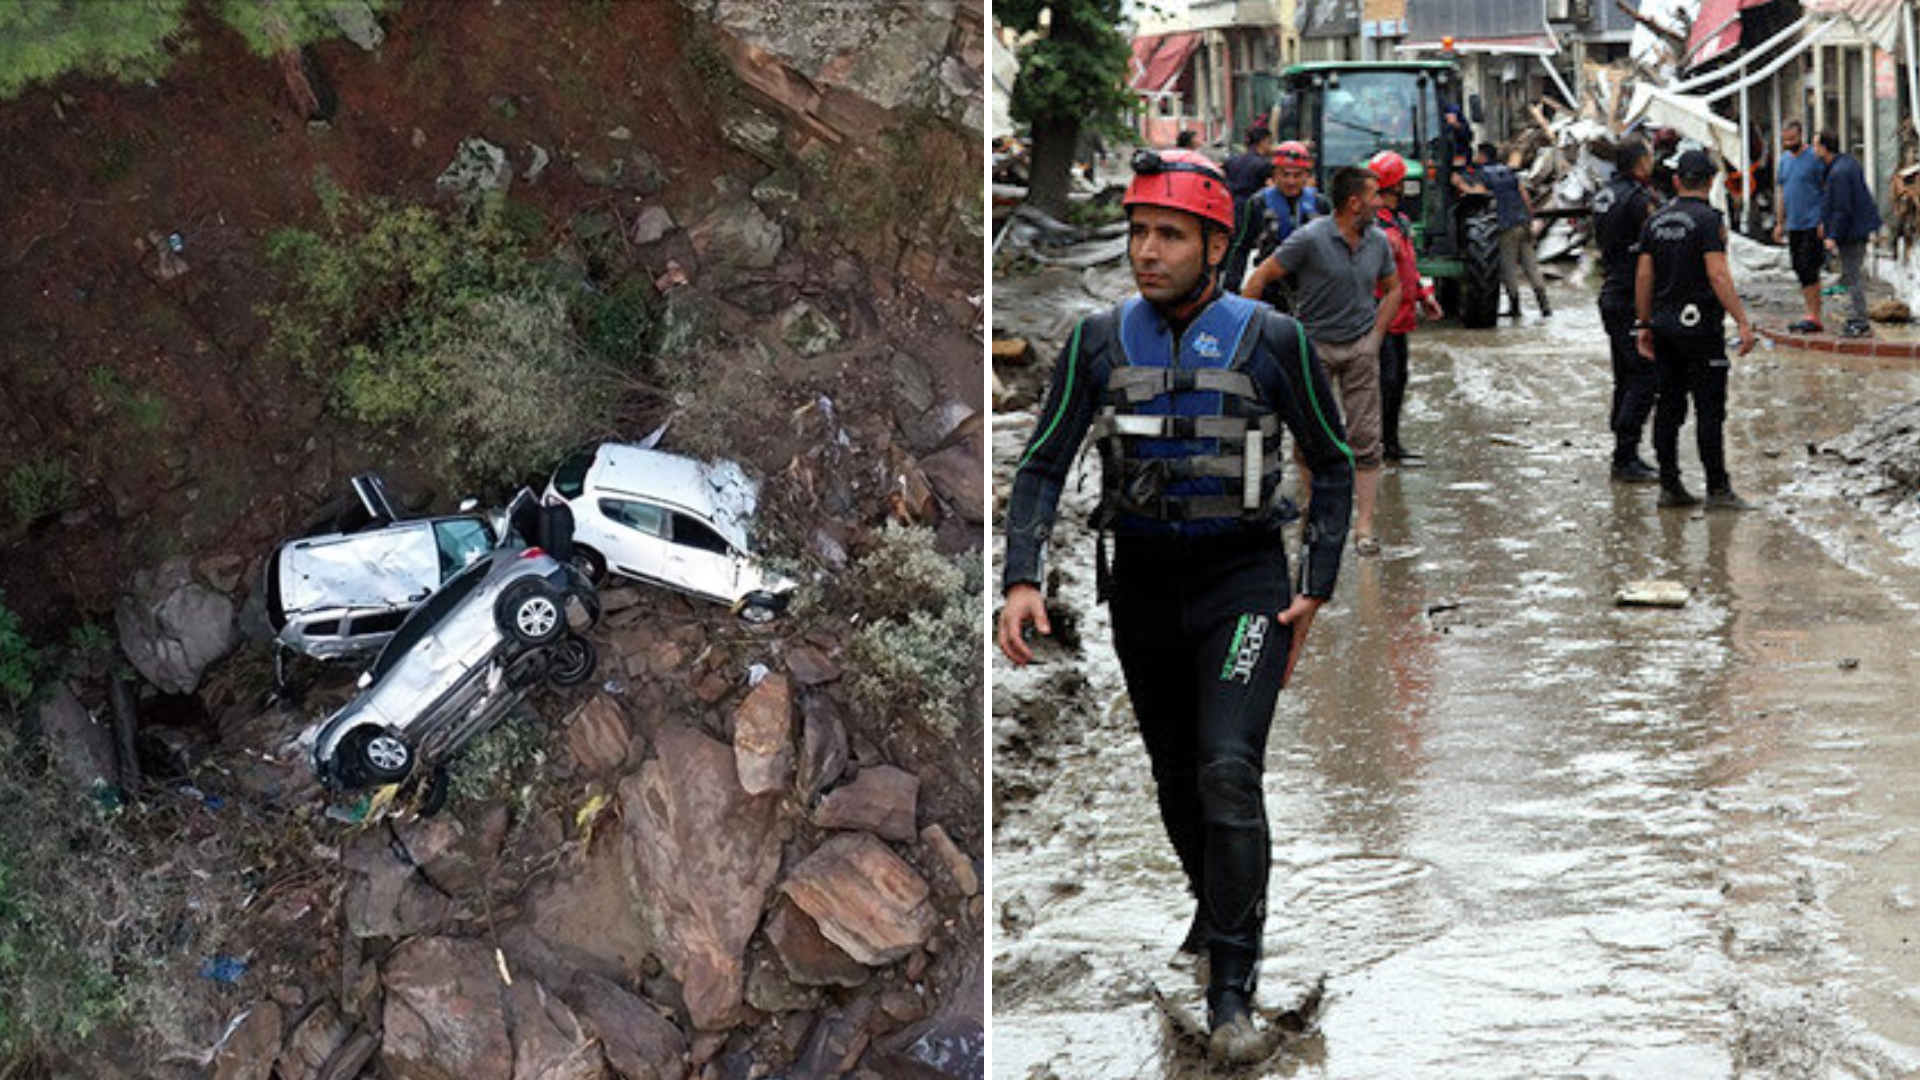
<point x="459" y="663"/>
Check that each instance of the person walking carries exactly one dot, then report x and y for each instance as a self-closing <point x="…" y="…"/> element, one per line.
<point x="1620" y="212"/>
<point x="1683" y="291"/>
<point x="1801" y="197"/>
<point x="1848" y="221"/>
<point x="1289" y="202"/>
<point x="1186" y="388"/>
<point x="1515" y="209"/>
<point x="1390" y="169"/>
<point x="1338" y="266"/>
<point x="1247" y="174"/>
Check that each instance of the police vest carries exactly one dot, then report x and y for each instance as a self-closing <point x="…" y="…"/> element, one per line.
<point x="1184" y="434"/>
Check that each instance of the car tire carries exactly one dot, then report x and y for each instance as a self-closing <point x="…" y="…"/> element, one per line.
<point x="591" y="564"/>
<point x="376" y="756"/>
<point x="531" y="612"/>
<point x="573" y="662"/>
<point x="434" y="798"/>
<point x="760" y="608"/>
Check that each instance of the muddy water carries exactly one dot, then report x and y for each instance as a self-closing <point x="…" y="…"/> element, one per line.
<point x="1523" y="832"/>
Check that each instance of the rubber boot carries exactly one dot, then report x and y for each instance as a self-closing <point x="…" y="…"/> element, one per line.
<point x="1673" y="494"/>
<point x="1234" y="1037"/>
<point x="1546" y="309"/>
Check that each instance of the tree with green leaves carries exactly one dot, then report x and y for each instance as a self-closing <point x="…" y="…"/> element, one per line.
<point x="42" y="40"/>
<point x="1073" y="72"/>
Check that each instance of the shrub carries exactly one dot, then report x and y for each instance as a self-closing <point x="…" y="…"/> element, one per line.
<point x="19" y="660"/>
<point x="919" y="653"/>
<point x="38" y="489"/>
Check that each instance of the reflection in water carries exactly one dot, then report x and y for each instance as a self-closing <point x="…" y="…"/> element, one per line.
<point x="1514" y="823"/>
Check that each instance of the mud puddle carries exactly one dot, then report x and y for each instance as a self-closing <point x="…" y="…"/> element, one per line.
<point x="1520" y="831"/>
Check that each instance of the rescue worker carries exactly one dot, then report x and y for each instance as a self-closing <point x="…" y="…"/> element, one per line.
<point x="1186" y="388"/>
<point x="1338" y="266"/>
<point x="1247" y="175"/>
<point x="1515" y="208"/>
<point x="1289" y="202"/>
<point x="1620" y="211"/>
<point x="1683" y="289"/>
<point x="1390" y="169"/>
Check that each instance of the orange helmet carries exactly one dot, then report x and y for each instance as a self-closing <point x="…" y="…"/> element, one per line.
<point x="1180" y="180"/>
<point x="1387" y="167"/>
<point x="1292" y="154"/>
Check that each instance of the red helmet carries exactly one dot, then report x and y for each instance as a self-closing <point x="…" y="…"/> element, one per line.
<point x="1180" y="180"/>
<point x="1387" y="167"/>
<point x="1292" y="154"/>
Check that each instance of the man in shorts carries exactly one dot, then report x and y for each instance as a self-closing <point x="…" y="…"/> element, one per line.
<point x="1801" y="199"/>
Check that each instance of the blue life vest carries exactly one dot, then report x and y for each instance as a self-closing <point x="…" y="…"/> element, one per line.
<point x="1283" y="219"/>
<point x="1187" y="442"/>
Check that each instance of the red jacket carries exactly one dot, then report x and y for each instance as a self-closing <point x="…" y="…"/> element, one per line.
<point x="1400" y="238"/>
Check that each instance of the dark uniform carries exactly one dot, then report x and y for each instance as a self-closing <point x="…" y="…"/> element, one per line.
<point x="1247" y="175"/>
<point x="1620" y="211"/>
<point x="1689" y="344"/>
<point x="1188" y="419"/>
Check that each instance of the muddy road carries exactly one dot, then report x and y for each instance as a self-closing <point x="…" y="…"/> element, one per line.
<point x="1521" y="831"/>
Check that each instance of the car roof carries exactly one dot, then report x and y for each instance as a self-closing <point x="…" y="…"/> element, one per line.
<point x="355" y="569"/>
<point x="718" y="491"/>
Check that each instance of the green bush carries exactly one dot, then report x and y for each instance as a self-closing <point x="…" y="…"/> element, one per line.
<point x="919" y="653"/>
<point x="19" y="660"/>
<point x="437" y="330"/>
<point x="38" y="489"/>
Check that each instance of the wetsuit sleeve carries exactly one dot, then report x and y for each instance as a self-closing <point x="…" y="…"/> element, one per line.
<point x="1297" y="387"/>
<point x="1070" y="406"/>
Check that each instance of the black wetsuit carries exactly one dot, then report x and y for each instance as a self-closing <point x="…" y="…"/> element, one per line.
<point x="1620" y="211"/>
<point x="1689" y="344"/>
<point x="1246" y="175"/>
<point x="1195" y="606"/>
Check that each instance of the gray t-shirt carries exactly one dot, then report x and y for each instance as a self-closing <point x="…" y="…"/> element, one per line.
<point x="1333" y="281"/>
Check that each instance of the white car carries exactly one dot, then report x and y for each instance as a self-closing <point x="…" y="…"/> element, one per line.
<point x="670" y="520"/>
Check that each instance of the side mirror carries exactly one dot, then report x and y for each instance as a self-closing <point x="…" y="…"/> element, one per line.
<point x="1478" y="114"/>
<point x="365" y="680"/>
<point x="468" y="506"/>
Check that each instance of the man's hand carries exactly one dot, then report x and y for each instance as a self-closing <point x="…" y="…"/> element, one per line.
<point x="1299" y="616"/>
<point x="1430" y="306"/>
<point x="1644" y="338"/>
<point x="1745" y="330"/>
<point x="1831" y="246"/>
<point x="1024" y="605"/>
<point x="1779" y="233"/>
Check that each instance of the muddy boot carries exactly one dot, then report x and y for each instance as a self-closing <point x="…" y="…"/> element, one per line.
<point x="1546" y="309"/>
<point x="1234" y="1037"/>
<point x="1674" y="494"/>
<point x="1725" y="499"/>
<point x="1635" y="472"/>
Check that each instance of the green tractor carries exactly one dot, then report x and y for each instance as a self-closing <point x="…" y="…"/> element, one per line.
<point x="1350" y="111"/>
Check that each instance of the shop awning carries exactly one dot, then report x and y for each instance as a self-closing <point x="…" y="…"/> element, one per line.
<point x="1158" y="61"/>
<point x="1716" y="29"/>
<point x="1519" y="45"/>
<point x="1877" y="20"/>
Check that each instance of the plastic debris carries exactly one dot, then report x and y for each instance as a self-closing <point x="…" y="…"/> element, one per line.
<point x="1667" y="594"/>
<point x="223" y="969"/>
<point x="756" y="672"/>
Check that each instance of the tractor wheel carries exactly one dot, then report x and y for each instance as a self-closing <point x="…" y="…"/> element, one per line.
<point x="1480" y="281"/>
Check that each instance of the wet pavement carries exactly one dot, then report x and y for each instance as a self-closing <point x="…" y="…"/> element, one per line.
<point x="1521" y="831"/>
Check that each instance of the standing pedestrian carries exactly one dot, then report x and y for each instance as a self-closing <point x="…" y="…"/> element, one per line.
<point x="1620" y="211"/>
<point x="1802" y="201"/>
<point x="1338" y="265"/>
<point x="1247" y="174"/>
<point x="1458" y="136"/>
<point x="1848" y="223"/>
<point x="1390" y="169"/>
<point x="1515" y="210"/>
<point x="1289" y="202"/>
<point x="1186" y="388"/>
<point x="1683" y="290"/>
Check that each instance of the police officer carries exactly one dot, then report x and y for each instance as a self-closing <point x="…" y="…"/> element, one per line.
<point x="1620" y="211"/>
<point x="1247" y="175"/>
<point x="1683" y="288"/>
<point x="1186" y="388"/>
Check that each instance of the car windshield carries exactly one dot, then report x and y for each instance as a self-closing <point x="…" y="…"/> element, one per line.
<point x="1370" y="111"/>
<point x="460" y="542"/>
<point x="570" y="479"/>
<point x="427" y="616"/>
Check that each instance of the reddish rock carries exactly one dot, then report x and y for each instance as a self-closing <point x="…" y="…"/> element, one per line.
<point x="704" y="856"/>
<point x="312" y="1043"/>
<point x="549" y="1042"/>
<point x="881" y="800"/>
<point x="597" y="735"/>
<point x="763" y="737"/>
<point x="959" y="868"/>
<point x="713" y="687"/>
<point x="386" y="896"/>
<point x="666" y="658"/>
<point x="444" y="1019"/>
<point x="248" y="1053"/>
<point x="864" y="898"/>
<point x="957" y="474"/>
<point x="639" y="1043"/>
<point x="810" y="666"/>
<point x="823" y="750"/>
<point x="810" y="958"/>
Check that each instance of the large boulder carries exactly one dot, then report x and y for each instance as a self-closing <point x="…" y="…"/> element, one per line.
<point x="478" y="169"/>
<point x="864" y="898"/>
<point x="763" y="737"/>
<point x="881" y="800"/>
<point x="549" y="1042"/>
<point x="889" y="52"/>
<point x="639" y="1043"/>
<point x="312" y="1043"/>
<point x="444" y="1016"/>
<point x="737" y="236"/>
<point x="704" y="855"/>
<point x="81" y="748"/>
<point x="172" y="627"/>
<point x="386" y="895"/>
<point x="248" y="1051"/>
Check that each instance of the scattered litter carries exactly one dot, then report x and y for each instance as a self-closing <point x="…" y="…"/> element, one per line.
<point x="1849" y="663"/>
<point x="1667" y="594"/>
<point x="615" y="687"/>
<point x="539" y="165"/>
<point x="500" y="959"/>
<point x="223" y="969"/>
<point x="1499" y="439"/>
<point x="588" y="815"/>
<point x="755" y="673"/>
<point x="674" y="277"/>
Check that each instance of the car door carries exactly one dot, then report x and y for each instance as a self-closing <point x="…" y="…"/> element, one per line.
<point x="700" y="560"/>
<point x="635" y="542"/>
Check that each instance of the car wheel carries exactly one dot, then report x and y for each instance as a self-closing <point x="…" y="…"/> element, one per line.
<point x="761" y="608"/>
<point x="573" y="661"/>
<point x="591" y="564"/>
<point x="378" y="756"/>
<point x="531" y="612"/>
<point x="434" y="799"/>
